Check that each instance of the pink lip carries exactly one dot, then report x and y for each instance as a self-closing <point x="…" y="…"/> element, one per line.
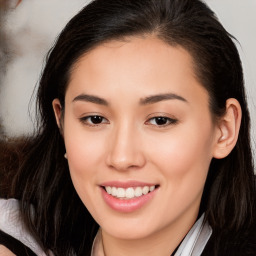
<point x="127" y="205"/>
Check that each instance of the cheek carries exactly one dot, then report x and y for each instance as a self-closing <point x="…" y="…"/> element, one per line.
<point x="81" y="154"/>
<point x="83" y="157"/>
<point x="183" y="160"/>
<point x="186" y="151"/>
<point x="83" y="148"/>
<point x="84" y="152"/>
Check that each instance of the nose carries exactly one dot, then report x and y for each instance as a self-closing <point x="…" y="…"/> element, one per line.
<point x="125" y="149"/>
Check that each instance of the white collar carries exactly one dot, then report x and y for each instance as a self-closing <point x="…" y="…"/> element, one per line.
<point x="195" y="241"/>
<point x="10" y="223"/>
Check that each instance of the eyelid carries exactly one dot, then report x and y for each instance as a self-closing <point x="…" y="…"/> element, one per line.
<point x="172" y="120"/>
<point x="84" y="119"/>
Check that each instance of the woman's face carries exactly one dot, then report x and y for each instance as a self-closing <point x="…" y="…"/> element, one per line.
<point x="139" y="136"/>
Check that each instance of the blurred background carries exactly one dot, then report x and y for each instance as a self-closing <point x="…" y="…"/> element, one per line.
<point x="28" y="28"/>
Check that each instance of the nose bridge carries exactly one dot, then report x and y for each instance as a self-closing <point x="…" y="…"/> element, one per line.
<point x="125" y="149"/>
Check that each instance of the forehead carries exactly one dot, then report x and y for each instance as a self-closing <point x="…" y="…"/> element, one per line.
<point x="148" y="65"/>
<point x="136" y="50"/>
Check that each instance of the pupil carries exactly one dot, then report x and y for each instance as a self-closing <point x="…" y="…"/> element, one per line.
<point x="96" y="119"/>
<point x="161" y="120"/>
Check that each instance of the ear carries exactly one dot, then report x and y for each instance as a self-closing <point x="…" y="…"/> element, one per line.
<point x="228" y="129"/>
<point x="57" y="111"/>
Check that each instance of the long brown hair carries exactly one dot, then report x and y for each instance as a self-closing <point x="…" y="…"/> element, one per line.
<point x="62" y="223"/>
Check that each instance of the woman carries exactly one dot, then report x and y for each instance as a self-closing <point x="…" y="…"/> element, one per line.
<point x="143" y="144"/>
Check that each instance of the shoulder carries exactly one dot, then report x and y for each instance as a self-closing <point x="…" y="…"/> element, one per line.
<point x="5" y="251"/>
<point x="10" y="216"/>
<point x="10" y="220"/>
<point x="13" y="233"/>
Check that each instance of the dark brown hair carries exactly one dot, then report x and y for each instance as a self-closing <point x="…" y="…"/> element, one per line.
<point x="62" y="223"/>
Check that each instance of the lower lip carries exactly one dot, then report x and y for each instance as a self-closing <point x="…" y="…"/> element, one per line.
<point x="127" y="205"/>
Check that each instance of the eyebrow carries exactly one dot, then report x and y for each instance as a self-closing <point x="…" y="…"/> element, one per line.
<point x="144" y="101"/>
<point x="161" y="97"/>
<point x="91" y="98"/>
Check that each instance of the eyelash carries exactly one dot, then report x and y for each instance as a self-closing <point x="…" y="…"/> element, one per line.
<point x="85" y="121"/>
<point x="168" y="120"/>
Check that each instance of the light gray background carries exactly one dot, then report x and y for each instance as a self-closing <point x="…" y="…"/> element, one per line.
<point x="30" y="30"/>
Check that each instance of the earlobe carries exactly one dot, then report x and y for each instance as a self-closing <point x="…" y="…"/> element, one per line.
<point x="57" y="111"/>
<point x="228" y="129"/>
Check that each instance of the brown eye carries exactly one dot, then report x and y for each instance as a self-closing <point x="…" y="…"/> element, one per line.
<point x="96" y="119"/>
<point x="93" y="120"/>
<point x="161" y="121"/>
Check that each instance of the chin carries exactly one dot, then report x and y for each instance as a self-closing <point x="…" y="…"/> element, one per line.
<point x="130" y="229"/>
<point x="129" y="234"/>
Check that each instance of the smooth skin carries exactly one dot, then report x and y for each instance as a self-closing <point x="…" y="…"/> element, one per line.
<point x="5" y="251"/>
<point x="149" y="121"/>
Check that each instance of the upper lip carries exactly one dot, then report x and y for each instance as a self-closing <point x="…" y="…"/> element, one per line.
<point x="126" y="184"/>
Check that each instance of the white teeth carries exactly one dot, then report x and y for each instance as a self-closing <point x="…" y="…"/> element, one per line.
<point x="138" y="192"/>
<point x="145" y="190"/>
<point x="114" y="191"/>
<point x="120" y="192"/>
<point x="152" y="188"/>
<point x="129" y="193"/>
<point x="109" y="190"/>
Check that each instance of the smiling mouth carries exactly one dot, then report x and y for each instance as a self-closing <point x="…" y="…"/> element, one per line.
<point x="130" y="192"/>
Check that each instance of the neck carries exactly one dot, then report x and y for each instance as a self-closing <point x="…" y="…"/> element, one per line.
<point x="163" y="242"/>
